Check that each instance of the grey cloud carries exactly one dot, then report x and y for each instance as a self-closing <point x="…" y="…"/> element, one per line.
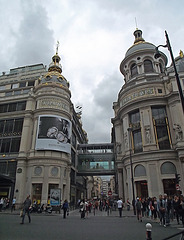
<point x="97" y="120"/>
<point x="34" y="39"/>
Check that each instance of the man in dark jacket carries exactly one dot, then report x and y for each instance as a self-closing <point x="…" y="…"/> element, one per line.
<point x="65" y="208"/>
<point x="26" y="209"/>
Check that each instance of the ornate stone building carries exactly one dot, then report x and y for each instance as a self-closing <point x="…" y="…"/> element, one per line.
<point x="39" y="133"/>
<point x="148" y="124"/>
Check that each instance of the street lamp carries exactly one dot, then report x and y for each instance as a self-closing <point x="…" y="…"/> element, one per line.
<point x="131" y="167"/>
<point x="157" y="55"/>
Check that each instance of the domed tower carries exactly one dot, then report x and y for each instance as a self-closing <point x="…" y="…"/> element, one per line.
<point x="143" y="123"/>
<point x="45" y="156"/>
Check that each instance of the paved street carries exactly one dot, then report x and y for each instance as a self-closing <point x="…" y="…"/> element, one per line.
<point x="99" y="227"/>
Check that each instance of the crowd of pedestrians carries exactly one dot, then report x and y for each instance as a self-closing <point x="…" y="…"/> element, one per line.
<point x="165" y="209"/>
<point x="4" y="204"/>
<point x="92" y="205"/>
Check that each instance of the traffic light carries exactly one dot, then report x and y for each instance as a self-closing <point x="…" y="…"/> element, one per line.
<point x="177" y="178"/>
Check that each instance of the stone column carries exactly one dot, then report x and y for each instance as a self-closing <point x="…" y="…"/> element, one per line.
<point x="120" y="183"/>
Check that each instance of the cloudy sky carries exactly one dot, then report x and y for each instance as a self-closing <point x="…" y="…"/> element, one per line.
<point x="94" y="36"/>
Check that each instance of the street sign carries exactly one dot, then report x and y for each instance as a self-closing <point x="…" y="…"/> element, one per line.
<point x="177" y="187"/>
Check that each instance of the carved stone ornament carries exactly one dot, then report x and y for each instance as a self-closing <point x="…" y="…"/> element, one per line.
<point x="178" y="132"/>
<point x="19" y="170"/>
<point x="37" y="171"/>
<point x="54" y="171"/>
<point x="118" y="148"/>
<point x="126" y="141"/>
<point x="147" y="135"/>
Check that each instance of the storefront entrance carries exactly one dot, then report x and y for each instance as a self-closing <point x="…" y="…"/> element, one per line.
<point x="142" y="189"/>
<point x="169" y="186"/>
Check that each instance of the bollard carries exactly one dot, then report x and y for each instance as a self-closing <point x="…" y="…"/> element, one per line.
<point x="148" y="231"/>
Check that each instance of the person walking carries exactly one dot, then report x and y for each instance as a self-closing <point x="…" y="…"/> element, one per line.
<point x="176" y="206"/>
<point x="83" y="208"/>
<point x="13" y="204"/>
<point x="120" y="206"/>
<point x="65" y="208"/>
<point x="138" y="206"/>
<point x="162" y="210"/>
<point x="26" y="209"/>
<point x="128" y="204"/>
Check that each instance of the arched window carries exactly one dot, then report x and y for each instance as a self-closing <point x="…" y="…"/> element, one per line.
<point x="133" y="70"/>
<point x="161" y="68"/>
<point x="139" y="171"/>
<point x="168" y="168"/>
<point x="148" y="66"/>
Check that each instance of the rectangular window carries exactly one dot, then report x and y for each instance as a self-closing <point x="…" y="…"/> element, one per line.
<point x="161" y="127"/>
<point x="31" y="83"/>
<point x="135" y="133"/>
<point x="22" y="84"/>
<point x="2" y="88"/>
<point x="18" y="124"/>
<point x="3" y="108"/>
<point x="12" y="127"/>
<point x="73" y="140"/>
<point x="5" y="145"/>
<point x="37" y="192"/>
<point x="15" y="145"/>
<point x="1" y="128"/>
<point x="51" y="186"/>
<point x="8" y="131"/>
<point x="17" y="92"/>
<point x="21" y="106"/>
<point x="159" y="90"/>
<point x="12" y="107"/>
<point x="8" y="94"/>
<point x="73" y="157"/>
<point x="15" y="85"/>
<point x="137" y="138"/>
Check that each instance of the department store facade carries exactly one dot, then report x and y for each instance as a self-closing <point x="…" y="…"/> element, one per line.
<point x="39" y="133"/>
<point x="148" y="123"/>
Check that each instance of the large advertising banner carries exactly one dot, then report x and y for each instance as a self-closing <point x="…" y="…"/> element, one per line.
<point x="55" y="197"/>
<point x="54" y="133"/>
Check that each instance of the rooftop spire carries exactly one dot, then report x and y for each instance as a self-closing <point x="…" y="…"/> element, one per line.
<point x="138" y="36"/>
<point x="57" y="46"/>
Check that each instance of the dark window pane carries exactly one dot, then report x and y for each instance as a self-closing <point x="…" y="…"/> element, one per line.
<point x="15" y="144"/>
<point x="168" y="168"/>
<point x="8" y="94"/>
<point x="22" y="84"/>
<point x="12" y="107"/>
<point x="73" y="157"/>
<point x="161" y="68"/>
<point x="148" y="66"/>
<point x="73" y="140"/>
<point x="5" y="145"/>
<point x="8" y="128"/>
<point x="159" y="116"/>
<point x="1" y="128"/>
<point x="31" y="83"/>
<point x="21" y="106"/>
<point x="139" y="171"/>
<point x="17" y="92"/>
<point x="135" y="117"/>
<point x="3" y="108"/>
<point x="159" y="112"/>
<point x="133" y="70"/>
<point x="18" y="127"/>
<point x="137" y="141"/>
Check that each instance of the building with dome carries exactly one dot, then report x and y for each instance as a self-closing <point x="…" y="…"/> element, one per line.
<point x="148" y="124"/>
<point x="39" y="133"/>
